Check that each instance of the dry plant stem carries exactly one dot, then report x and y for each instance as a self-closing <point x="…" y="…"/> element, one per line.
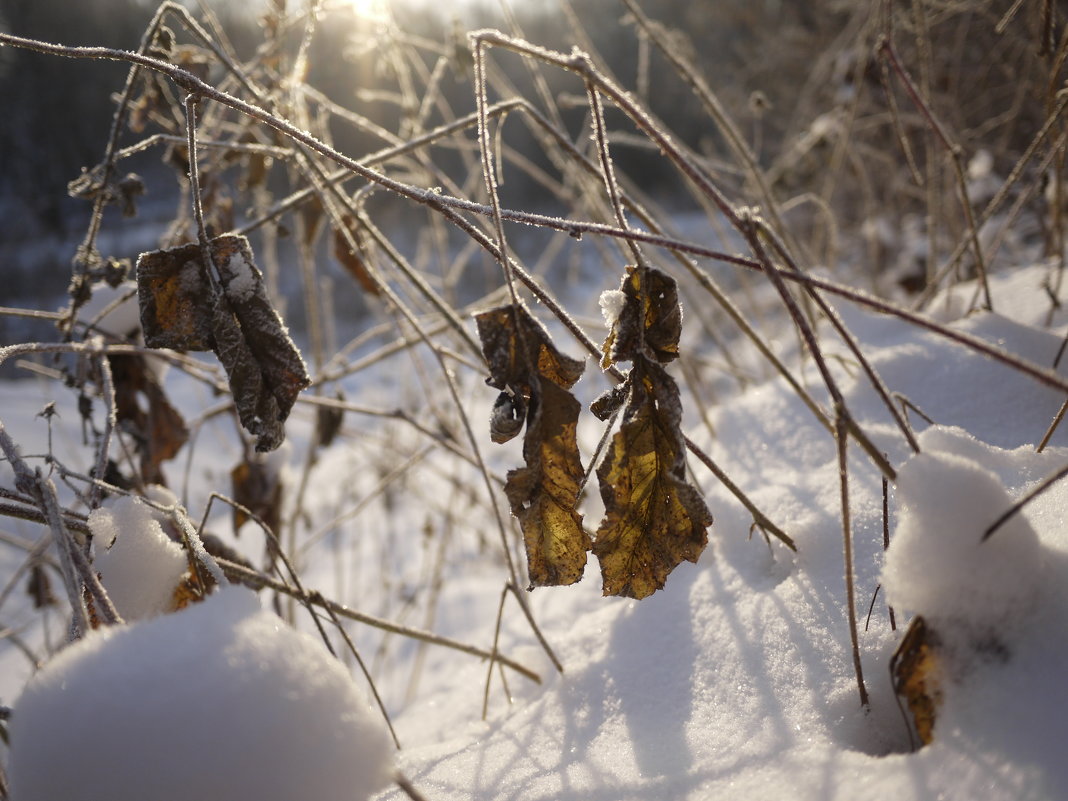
<point x="886" y="49"/>
<point x="886" y="543"/>
<point x="493" y="659"/>
<point x="835" y="319"/>
<point x="995" y="202"/>
<point x="1052" y="427"/>
<point x="713" y="107"/>
<point x="363" y="667"/>
<point x="841" y="436"/>
<point x="1026" y="499"/>
<point x="242" y="573"/>
<point x="759" y="517"/>
<point x="407" y="787"/>
<point x="490" y="179"/>
<point x="755" y="229"/>
<point x="276" y="547"/>
<point x="465" y="421"/>
<point x="88" y="246"/>
<point x="37" y="487"/>
<point x="107" y="389"/>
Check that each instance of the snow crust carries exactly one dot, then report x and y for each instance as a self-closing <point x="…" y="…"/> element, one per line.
<point x="218" y="702"/>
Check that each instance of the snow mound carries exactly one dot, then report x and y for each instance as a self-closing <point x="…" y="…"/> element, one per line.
<point x="938" y="564"/>
<point x="139" y="564"/>
<point x="218" y="702"/>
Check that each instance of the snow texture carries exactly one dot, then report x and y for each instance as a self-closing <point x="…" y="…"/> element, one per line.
<point x="612" y="302"/>
<point x="243" y="282"/>
<point x="938" y="565"/>
<point x="218" y="702"/>
<point x="139" y="565"/>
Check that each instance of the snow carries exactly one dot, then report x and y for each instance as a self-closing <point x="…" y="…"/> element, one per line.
<point x="217" y="702"/>
<point x="735" y="682"/>
<point x="947" y="499"/>
<point x="139" y="565"/>
<point x="243" y="281"/>
<point x="612" y="303"/>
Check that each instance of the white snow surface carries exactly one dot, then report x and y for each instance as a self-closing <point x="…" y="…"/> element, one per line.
<point x="220" y="701"/>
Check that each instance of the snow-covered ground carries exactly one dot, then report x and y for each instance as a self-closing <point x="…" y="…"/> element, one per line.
<point x="736" y="681"/>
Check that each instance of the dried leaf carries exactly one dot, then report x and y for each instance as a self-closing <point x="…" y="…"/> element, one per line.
<point x="185" y="593"/>
<point x="124" y="191"/>
<point x="328" y="420"/>
<point x="650" y="321"/>
<point x="143" y="411"/>
<point x="264" y="367"/>
<point x="654" y="519"/>
<point x="354" y="260"/>
<point x="543" y="495"/>
<point x="173" y="294"/>
<point x="507" y="417"/>
<point x="914" y="670"/>
<point x="535" y="379"/>
<point x="519" y="350"/>
<point x="258" y="488"/>
<point x="39" y="587"/>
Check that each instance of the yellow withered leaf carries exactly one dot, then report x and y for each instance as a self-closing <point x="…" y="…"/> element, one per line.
<point x="650" y="322"/>
<point x="914" y="670"/>
<point x="654" y="519"/>
<point x="543" y="495"/>
<point x="535" y="378"/>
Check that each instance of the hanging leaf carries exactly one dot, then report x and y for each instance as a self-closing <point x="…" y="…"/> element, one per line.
<point x="172" y="291"/>
<point x="328" y="420"/>
<point x="143" y="410"/>
<point x="914" y="670"/>
<point x="535" y="379"/>
<point x="354" y="260"/>
<point x="39" y="587"/>
<point x="257" y="486"/>
<point x="181" y="308"/>
<point x="654" y="519"/>
<point x="647" y="319"/>
<point x="543" y="495"/>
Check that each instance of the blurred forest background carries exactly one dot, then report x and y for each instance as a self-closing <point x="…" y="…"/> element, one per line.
<point x="798" y="78"/>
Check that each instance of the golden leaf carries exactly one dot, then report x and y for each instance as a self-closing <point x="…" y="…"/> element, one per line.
<point x="654" y="519"/>
<point x="535" y="379"/>
<point x="914" y="670"/>
<point x="543" y="495"/>
<point x="650" y="322"/>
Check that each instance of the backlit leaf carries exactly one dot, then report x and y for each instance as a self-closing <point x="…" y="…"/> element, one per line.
<point x="654" y="519"/>
<point x="649" y="323"/>
<point x="535" y="379"/>
<point x="543" y="495"/>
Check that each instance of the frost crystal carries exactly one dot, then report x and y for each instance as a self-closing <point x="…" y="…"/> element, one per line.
<point x="612" y="302"/>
